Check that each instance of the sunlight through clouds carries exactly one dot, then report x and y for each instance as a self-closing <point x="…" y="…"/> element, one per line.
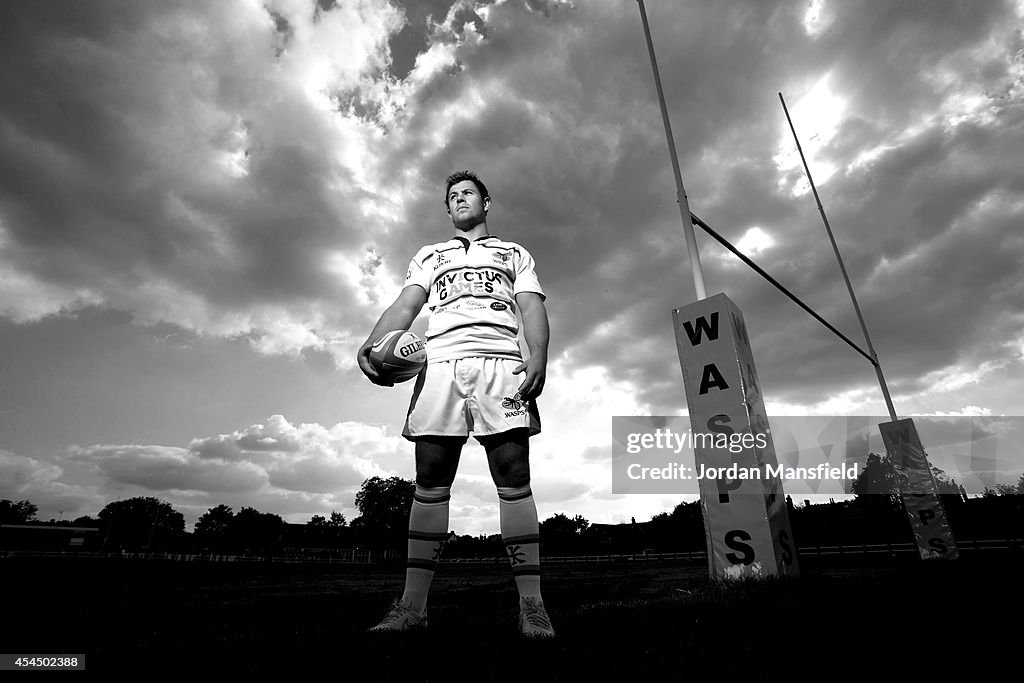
<point x="816" y="19"/>
<point x="816" y="117"/>
<point x="754" y="241"/>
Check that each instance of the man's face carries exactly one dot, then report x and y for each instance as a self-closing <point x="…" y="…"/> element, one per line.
<point x="465" y="205"/>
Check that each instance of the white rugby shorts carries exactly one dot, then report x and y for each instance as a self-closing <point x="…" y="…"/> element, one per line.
<point x="476" y="394"/>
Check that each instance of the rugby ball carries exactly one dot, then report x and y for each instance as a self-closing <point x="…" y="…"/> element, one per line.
<point x="398" y="356"/>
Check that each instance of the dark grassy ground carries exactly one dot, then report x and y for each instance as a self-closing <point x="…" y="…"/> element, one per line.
<point x="615" y="621"/>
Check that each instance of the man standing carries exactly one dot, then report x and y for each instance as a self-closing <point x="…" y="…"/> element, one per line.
<point x="475" y="381"/>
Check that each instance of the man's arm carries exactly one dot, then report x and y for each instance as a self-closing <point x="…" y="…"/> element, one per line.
<point x="398" y="316"/>
<point x="537" y="333"/>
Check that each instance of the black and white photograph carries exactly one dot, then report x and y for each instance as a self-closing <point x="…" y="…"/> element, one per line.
<point x="510" y="340"/>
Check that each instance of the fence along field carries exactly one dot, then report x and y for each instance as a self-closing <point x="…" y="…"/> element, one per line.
<point x="367" y="557"/>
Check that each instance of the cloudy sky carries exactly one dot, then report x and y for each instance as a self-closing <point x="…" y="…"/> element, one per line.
<point x="204" y="207"/>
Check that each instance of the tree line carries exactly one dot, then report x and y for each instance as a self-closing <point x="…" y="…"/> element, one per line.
<point x="875" y="515"/>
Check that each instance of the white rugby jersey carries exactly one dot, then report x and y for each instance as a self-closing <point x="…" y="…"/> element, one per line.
<point x="471" y="288"/>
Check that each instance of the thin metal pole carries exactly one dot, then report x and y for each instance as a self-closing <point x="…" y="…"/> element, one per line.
<point x="684" y="205"/>
<point x="842" y="267"/>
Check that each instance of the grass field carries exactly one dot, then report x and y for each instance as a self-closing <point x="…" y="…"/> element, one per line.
<point x="615" y="621"/>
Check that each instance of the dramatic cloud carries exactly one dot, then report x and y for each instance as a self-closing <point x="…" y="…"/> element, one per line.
<point x="188" y="164"/>
<point x="248" y="177"/>
<point x="23" y="478"/>
<point x="275" y="458"/>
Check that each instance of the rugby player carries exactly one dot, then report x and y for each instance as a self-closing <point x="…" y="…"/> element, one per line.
<point x="475" y="381"/>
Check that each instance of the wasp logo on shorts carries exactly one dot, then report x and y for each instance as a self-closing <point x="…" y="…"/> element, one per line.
<point x="514" y="404"/>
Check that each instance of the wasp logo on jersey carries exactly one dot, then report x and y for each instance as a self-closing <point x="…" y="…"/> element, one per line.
<point x="502" y="256"/>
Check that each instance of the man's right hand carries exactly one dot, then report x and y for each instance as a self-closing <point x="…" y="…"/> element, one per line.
<point x="363" y="359"/>
<point x="398" y="316"/>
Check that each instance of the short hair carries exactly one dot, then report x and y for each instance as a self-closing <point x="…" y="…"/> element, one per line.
<point x="458" y="177"/>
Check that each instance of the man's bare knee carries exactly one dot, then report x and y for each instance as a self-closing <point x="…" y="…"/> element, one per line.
<point x="437" y="460"/>
<point x="508" y="457"/>
<point x="511" y="476"/>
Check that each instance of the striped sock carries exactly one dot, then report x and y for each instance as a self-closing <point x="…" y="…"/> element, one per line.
<point x="428" y="531"/>
<point x="520" y="534"/>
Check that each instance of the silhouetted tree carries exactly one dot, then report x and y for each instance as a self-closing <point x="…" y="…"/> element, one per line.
<point x="212" y="526"/>
<point x="662" y="532"/>
<point x="559" y="523"/>
<point x="141" y="523"/>
<point x="877" y="478"/>
<point x="475" y="546"/>
<point x="878" y="499"/>
<point x="383" y="506"/>
<point x="559" y="532"/>
<point x="688" y="526"/>
<point x="17" y="513"/>
<point x="323" y="532"/>
<point x="1011" y="489"/>
<point x="680" y="529"/>
<point x="251" y="529"/>
<point x="945" y="484"/>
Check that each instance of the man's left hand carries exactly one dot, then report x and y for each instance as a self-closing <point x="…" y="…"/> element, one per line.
<point x="533" y="383"/>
